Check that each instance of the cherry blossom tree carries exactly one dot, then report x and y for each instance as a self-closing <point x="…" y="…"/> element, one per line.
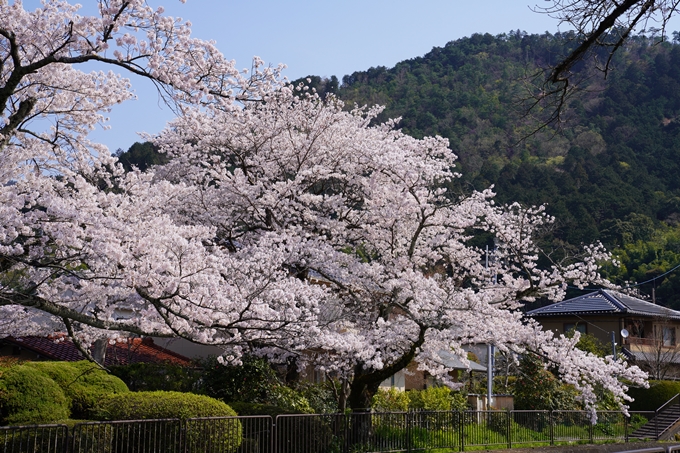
<point x="361" y="211"/>
<point x="282" y="223"/>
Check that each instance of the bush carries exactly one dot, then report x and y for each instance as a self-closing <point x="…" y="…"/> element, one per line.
<point x="27" y="396"/>
<point x="436" y="399"/>
<point x="658" y="393"/>
<point x="159" y="404"/>
<point x="202" y="435"/>
<point x="390" y="400"/>
<point x="83" y="383"/>
<point x="146" y="377"/>
<point x="254" y="381"/>
<point x="290" y="400"/>
<point x="536" y="388"/>
<point x="320" y="396"/>
<point x="243" y="408"/>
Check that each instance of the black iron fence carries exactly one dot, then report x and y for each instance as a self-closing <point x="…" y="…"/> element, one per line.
<point x="331" y="433"/>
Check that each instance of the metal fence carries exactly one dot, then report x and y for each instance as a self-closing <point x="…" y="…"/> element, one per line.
<point x="328" y="433"/>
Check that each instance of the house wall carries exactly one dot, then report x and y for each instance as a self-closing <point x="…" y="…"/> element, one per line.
<point x="397" y="381"/>
<point x="600" y="327"/>
<point x="498" y="402"/>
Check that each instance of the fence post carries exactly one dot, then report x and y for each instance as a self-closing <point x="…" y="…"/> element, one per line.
<point x="591" y="430"/>
<point x="346" y="420"/>
<point x="184" y="426"/>
<point x="552" y="427"/>
<point x="508" y="415"/>
<point x="408" y="430"/>
<point x="656" y="424"/>
<point x="274" y="437"/>
<point x="461" y="426"/>
<point x="625" y="428"/>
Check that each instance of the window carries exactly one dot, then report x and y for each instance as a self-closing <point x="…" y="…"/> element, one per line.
<point x="579" y="327"/>
<point x="665" y="335"/>
<point x="669" y="336"/>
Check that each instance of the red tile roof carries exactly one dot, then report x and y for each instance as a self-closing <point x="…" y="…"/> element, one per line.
<point x="122" y="352"/>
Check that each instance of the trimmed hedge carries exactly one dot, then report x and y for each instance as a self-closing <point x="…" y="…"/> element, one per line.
<point x="84" y="383"/>
<point x="203" y="436"/>
<point x="27" y="396"/>
<point x="655" y="396"/>
<point x="160" y="404"/>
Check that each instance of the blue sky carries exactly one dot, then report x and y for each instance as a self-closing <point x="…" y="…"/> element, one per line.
<point x="322" y="38"/>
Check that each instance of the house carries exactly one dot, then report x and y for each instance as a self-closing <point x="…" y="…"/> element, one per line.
<point x="121" y="352"/>
<point x="647" y="333"/>
<point x="413" y="379"/>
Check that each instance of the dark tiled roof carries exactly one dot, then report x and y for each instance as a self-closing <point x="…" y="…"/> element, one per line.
<point x="133" y="350"/>
<point x="603" y="302"/>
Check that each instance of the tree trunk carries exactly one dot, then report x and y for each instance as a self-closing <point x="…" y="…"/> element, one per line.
<point x="99" y="350"/>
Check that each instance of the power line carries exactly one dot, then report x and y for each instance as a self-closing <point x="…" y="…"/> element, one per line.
<point x="652" y="279"/>
<point x="636" y="284"/>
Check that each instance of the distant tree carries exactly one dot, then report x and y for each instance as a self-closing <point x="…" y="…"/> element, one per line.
<point x="321" y="85"/>
<point x="536" y="388"/>
<point x="141" y="156"/>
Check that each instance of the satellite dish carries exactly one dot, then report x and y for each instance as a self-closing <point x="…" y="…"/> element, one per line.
<point x="624" y="333"/>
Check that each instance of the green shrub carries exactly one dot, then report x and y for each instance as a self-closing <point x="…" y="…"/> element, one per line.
<point x="159" y="404"/>
<point x="83" y="383"/>
<point x="290" y="400"/>
<point x="243" y="408"/>
<point x="436" y="399"/>
<point x="146" y="377"/>
<point x="202" y="435"/>
<point x="536" y="388"/>
<point x="254" y="381"/>
<point x="320" y="396"/>
<point x="390" y="400"/>
<point x="658" y="393"/>
<point x="27" y="396"/>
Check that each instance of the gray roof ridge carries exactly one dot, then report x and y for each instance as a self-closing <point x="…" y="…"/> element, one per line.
<point x="611" y="297"/>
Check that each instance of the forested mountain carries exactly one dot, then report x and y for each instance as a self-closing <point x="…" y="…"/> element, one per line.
<point x="612" y="174"/>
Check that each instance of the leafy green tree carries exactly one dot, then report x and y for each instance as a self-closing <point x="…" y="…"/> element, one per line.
<point x="254" y="381"/>
<point x="536" y="388"/>
<point x="141" y="156"/>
